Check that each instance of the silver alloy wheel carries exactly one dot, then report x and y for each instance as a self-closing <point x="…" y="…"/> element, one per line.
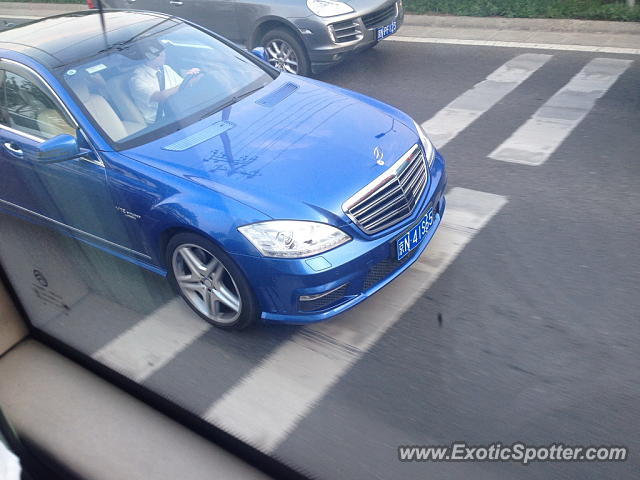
<point x="282" y="56"/>
<point x="206" y="283"/>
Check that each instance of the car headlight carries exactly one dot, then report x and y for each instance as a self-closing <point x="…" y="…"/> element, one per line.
<point x="293" y="238"/>
<point x="429" y="150"/>
<point x="328" y="8"/>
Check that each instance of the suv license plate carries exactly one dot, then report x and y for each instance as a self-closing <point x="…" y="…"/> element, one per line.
<point x="386" y="30"/>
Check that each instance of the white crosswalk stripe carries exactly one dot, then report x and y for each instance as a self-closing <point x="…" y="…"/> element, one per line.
<point x="153" y="342"/>
<point x="542" y="134"/>
<point x="271" y="399"/>
<point x="468" y="107"/>
<point x="506" y="44"/>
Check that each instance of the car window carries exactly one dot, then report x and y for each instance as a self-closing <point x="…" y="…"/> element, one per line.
<point x="150" y="85"/>
<point x="29" y="109"/>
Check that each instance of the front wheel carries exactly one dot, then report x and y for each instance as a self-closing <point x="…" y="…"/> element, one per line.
<point x="209" y="282"/>
<point x="285" y="52"/>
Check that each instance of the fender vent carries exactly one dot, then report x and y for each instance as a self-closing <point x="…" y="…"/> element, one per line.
<point x="278" y="95"/>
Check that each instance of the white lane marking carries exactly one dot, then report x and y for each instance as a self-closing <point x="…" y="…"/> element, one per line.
<point x="25" y="17"/>
<point x="465" y="109"/>
<point x="535" y="46"/>
<point x="543" y="133"/>
<point x="266" y="405"/>
<point x="153" y="342"/>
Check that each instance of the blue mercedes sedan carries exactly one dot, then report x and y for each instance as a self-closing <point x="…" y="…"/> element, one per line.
<point x="258" y="194"/>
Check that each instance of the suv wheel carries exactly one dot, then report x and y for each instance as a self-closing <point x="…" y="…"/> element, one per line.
<point x="285" y="52"/>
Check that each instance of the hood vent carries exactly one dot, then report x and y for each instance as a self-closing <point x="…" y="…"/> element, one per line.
<point x="203" y="135"/>
<point x="278" y="95"/>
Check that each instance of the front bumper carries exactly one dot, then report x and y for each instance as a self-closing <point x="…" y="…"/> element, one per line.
<point x="345" y="276"/>
<point x="321" y="39"/>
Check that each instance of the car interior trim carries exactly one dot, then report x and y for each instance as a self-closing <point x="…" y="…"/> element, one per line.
<point x="106" y="416"/>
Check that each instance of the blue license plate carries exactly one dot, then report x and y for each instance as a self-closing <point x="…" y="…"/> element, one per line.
<point x="413" y="237"/>
<point x="386" y="30"/>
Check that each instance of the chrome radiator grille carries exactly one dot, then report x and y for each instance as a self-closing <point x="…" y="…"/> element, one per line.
<point x="391" y="197"/>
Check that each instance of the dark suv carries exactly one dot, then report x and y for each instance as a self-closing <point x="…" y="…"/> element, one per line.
<point x="298" y="36"/>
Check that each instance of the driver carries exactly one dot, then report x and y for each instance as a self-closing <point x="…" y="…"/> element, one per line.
<point x="154" y="82"/>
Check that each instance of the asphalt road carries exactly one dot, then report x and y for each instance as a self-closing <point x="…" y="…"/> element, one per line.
<point x="520" y="322"/>
<point x="540" y="318"/>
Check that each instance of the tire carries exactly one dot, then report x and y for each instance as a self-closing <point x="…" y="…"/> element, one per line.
<point x="283" y="49"/>
<point x="210" y="282"/>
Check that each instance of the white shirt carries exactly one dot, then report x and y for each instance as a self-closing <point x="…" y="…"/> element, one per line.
<point x="144" y="83"/>
<point x="9" y="464"/>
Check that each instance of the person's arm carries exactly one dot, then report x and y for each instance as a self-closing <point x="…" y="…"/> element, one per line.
<point x="175" y="82"/>
<point x="173" y="77"/>
<point x="162" y="95"/>
<point x="145" y="91"/>
<point x="194" y="75"/>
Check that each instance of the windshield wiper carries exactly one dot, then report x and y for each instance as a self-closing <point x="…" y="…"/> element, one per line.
<point x="231" y="101"/>
<point x="140" y="35"/>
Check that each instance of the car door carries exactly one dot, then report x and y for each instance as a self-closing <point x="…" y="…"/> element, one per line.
<point x="15" y="178"/>
<point x="217" y="15"/>
<point x="72" y="195"/>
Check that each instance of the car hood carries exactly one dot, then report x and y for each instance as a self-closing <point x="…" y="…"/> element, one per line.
<point x="295" y="149"/>
<point x="368" y="5"/>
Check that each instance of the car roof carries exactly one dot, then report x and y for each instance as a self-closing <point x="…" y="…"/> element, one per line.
<point x="68" y="38"/>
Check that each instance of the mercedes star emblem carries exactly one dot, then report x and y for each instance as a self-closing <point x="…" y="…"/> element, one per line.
<point x="377" y="154"/>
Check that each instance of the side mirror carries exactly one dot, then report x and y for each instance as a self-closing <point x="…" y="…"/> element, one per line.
<point x="58" y="149"/>
<point x="260" y="53"/>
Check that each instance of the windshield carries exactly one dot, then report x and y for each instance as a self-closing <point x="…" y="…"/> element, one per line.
<point x="160" y="81"/>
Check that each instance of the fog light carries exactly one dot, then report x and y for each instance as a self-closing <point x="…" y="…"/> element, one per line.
<point x="318" y="301"/>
